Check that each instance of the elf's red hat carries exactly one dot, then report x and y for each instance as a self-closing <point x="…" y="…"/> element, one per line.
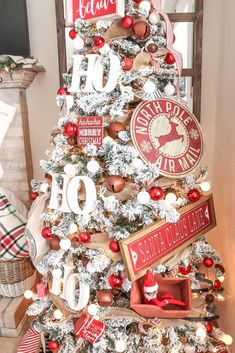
<point x="150" y="284"/>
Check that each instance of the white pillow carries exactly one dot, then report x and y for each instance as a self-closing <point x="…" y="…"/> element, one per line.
<point x="7" y="113"/>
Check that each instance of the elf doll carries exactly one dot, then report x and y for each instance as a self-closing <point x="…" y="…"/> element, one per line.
<point x="151" y="293"/>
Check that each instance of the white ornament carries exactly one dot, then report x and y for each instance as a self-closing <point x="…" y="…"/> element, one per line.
<point x="93" y="167"/>
<point x="138" y="163"/>
<point x="84" y="292"/>
<point x="65" y="244"/>
<point x="94" y="73"/>
<point x="70" y="169"/>
<point x="169" y="89"/>
<point x="149" y="87"/>
<point x="205" y="186"/>
<point x="78" y="43"/>
<point x="145" y="6"/>
<point x="68" y="270"/>
<point x="107" y="139"/>
<point x="91" y="197"/>
<point x="154" y="18"/>
<point x="189" y="349"/>
<point x="120" y="346"/>
<point x="92" y="309"/>
<point x="28" y="294"/>
<point x="201" y="333"/>
<point x="170" y="197"/>
<point x="73" y="228"/>
<point x="58" y="315"/>
<point x="44" y="187"/>
<point x="57" y="273"/>
<point x="56" y="190"/>
<point x="69" y="200"/>
<point x="227" y="339"/>
<point x="143" y="197"/>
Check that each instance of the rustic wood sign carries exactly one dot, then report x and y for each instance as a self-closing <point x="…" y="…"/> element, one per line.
<point x="167" y="134"/>
<point x="157" y="243"/>
<point x="90" y="130"/>
<point x="93" y="10"/>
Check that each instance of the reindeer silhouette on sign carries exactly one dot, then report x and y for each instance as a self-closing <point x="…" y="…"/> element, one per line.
<point x="173" y="135"/>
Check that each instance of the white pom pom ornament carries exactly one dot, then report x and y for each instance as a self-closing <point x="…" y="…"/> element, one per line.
<point x="169" y="89"/>
<point x="65" y="244"/>
<point x="154" y="18"/>
<point x="70" y="169"/>
<point x="78" y="43"/>
<point x="143" y="197"/>
<point x="93" y="166"/>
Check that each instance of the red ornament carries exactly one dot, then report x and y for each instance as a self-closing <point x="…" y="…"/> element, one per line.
<point x="72" y="34"/>
<point x="127" y="64"/>
<point x="84" y="237"/>
<point x="104" y="297"/>
<point x="138" y="1"/>
<point x="208" y="262"/>
<point x="170" y="59"/>
<point x="70" y="129"/>
<point x="53" y="345"/>
<point x="156" y="193"/>
<point x="47" y="233"/>
<point x="127" y="22"/>
<point x="116" y="281"/>
<point x="141" y="30"/>
<point x="114" y="246"/>
<point x="88" y="328"/>
<point x="99" y="42"/>
<point x="217" y="284"/>
<point x="33" y="195"/>
<point x="61" y="91"/>
<point x="185" y="270"/>
<point x="209" y="327"/>
<point x="114" y="128"/>
<point x="194" y="195"/>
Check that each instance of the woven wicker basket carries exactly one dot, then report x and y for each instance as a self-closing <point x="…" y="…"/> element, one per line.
<point x="16" y="276"/>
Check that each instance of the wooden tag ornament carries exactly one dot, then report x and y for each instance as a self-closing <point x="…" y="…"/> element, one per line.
<point x="167" y="134"/>
<point x="93" y="10"/>
<point x="90" y="130"/>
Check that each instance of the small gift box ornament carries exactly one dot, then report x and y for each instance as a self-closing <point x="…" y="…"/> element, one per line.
<point x="154" y="296"/>
<point x="88" y="328"/>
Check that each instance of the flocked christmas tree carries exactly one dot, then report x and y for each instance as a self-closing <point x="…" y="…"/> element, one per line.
<point x="119" y="198"/>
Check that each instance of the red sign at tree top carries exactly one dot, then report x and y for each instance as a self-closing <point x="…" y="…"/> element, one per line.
<point x="93" y="10"/>
<point x="166" y="134"/>
<point x="155" y="244"/>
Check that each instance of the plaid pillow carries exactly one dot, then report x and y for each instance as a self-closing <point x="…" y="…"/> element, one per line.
<point x="12" y="224"/>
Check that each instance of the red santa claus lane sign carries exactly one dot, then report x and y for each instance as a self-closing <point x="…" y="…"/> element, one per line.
<point x="166" y="134"/>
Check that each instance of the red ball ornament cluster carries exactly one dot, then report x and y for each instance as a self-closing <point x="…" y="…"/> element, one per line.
<point x="185" y="270"/>
<point x="47" y="233"/>
<point x="170" y="59"/>
<point x="194" y="195"/>
<point x="208" y="262"/>
<point x="98" y="42"/>
<point x="84" y="237"/>
<point x="217" y="284"/>
<point x="72" y="34"/>
<point x="209" y="327"/>
<point x="127" y="64"/>
<point x="70" y="129"/>
<point x="62" y="91"/>
<point x="114" y="246"/>
<point x="116" y="281"/>
<point x="156" y="193"/>
<point x="33" y="195"/>
<point x="127" y="22"/>
<point x="53" y="345"/>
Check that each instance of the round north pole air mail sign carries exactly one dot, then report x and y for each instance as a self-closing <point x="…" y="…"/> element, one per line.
<point x="166" y="134"/>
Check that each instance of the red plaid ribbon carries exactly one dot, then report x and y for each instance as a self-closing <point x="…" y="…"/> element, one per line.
<point x="12" y="225"/>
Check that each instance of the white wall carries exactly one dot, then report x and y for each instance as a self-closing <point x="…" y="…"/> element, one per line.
<point x="41" y="95"/>
<point x="218" y="123"/>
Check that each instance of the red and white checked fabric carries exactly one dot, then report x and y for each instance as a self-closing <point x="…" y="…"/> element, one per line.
<point x="12" y="225"/>
<point x="30" y="343"/>
<point x="157" y="4"/>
